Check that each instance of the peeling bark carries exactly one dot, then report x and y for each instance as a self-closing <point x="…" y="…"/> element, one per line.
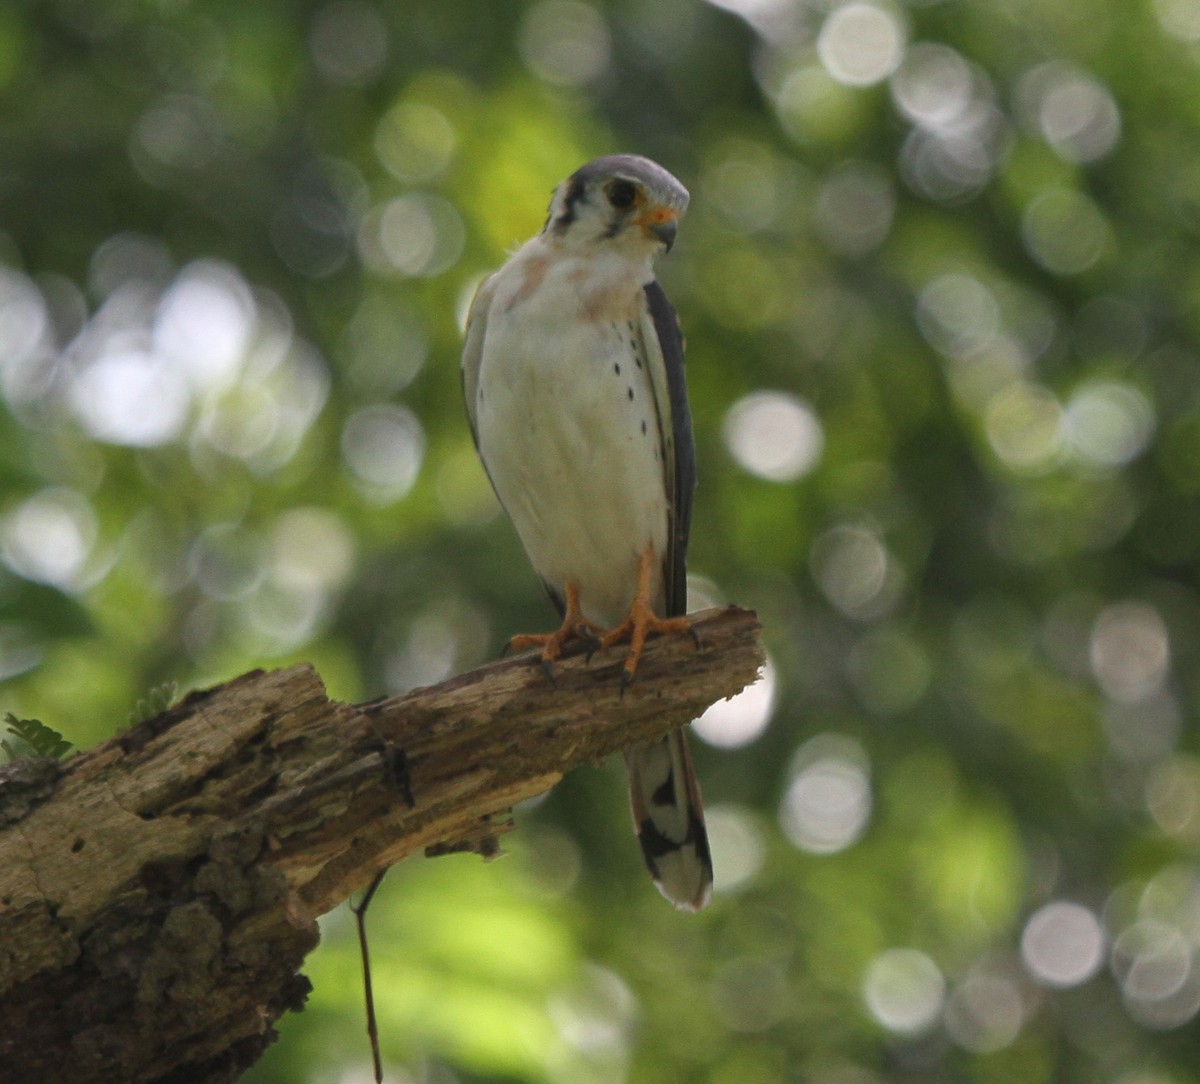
<point x="159" y="893"/>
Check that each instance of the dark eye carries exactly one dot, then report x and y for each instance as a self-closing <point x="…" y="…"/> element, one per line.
<point x="622" y="195"/>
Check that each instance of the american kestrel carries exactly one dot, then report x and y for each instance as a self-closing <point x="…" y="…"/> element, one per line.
<point x="574" y="385"/>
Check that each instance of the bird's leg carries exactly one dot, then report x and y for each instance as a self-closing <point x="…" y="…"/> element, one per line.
<point x="642" y="620"/>
<point x="574" y="624"/>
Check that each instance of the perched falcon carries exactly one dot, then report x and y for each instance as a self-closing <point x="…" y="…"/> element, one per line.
<point x="574" y="385"/>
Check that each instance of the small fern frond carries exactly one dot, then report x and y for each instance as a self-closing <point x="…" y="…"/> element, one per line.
<point x="155" y="702"/>
<point x="34" y="738"/>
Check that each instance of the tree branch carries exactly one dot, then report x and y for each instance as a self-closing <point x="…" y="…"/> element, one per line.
<point x="158" y="894"/>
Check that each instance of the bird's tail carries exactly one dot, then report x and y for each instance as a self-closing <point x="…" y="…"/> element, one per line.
<point x="669" y="820"/>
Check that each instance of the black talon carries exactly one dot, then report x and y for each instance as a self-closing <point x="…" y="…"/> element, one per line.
<point x="695" y="638"/>
<point x="548" y="670"/>
<point x="590" y="640"/>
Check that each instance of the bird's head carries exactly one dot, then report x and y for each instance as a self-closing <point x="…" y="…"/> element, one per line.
<point x="621" y="198"/>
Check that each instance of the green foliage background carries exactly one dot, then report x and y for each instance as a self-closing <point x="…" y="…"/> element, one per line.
<point x="939" y="282"/>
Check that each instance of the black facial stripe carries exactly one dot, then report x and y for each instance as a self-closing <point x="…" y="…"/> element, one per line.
<point x="574" y="194"/>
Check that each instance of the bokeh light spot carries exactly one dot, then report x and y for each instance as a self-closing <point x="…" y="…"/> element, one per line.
<point x="1062" y="944"/>
<point x="415" y="141"/>
<point x="746" y="183"/>
<point x="933" y="86"/>
<point x="854" y="209"/>
<point x="348" y="42"/>
<point x="959" y="315"/>
<point x="861" y="44"/>
<point x="596" y="1013"/>
<point x="737" y="843"/>
<point x="1156" y="968"/>
<point x="1130" y="651"/>
<point x="1179" y="18"/>
<point x="49" y="536"/>
<point x="984" y="1013"/>
<point x="384" y="447"/>
<point x="312" y="547"/>
<point x="1145" y="731"/>
<point x="1065" y="231"/>
<point x="889" y="669"/>
<point x="1074" y="112"/>
<point x="1172" y="793"/>
<point x="855" y="571"/>
<point x="1024" y="427"/>
<point x="1108" y="423"/>
<point x="749" y="994"/>
<point x="415" y="235"/>
<point x="565" y="42"/>
<point x="774" y="435"/>
<point x="827" y="804"/>
<point x="131" y="398"/>
<point x="904" y="989"/>
<point x="740" y="719"/>
<point x="204" y="323"/>
<point x="24" y="320"/>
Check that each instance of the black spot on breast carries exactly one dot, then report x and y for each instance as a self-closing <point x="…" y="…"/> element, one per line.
<point x="630" y="390"/>
<point x="643" y="427"/>
<point x="617" y="368"/>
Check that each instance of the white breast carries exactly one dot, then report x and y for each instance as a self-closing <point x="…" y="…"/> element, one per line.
<point x="567" y="424"/>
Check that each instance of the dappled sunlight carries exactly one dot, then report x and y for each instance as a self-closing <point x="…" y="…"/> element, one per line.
<point x="937" y="282"/>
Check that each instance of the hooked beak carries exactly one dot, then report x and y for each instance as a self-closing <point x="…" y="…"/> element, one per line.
<point x="662" y="223"/>
<point x="665" y="231"/>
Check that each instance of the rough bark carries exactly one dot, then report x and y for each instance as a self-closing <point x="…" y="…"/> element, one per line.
<point x="159" y="893"/>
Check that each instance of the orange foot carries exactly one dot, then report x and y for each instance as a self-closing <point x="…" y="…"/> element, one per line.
<point x="642" y="621"/>
<point x="574" y="626"/>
